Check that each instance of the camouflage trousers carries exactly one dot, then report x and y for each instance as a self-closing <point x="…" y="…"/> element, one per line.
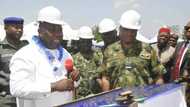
<point x="7" y="101"/>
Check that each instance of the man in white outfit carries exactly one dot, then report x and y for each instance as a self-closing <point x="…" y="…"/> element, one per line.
<point x="38" y="76"/>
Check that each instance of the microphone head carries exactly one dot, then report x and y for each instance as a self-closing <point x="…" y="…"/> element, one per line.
<point x="69" y="65"/>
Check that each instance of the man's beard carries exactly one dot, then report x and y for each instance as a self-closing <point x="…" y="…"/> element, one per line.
<point x="162" y="45"/>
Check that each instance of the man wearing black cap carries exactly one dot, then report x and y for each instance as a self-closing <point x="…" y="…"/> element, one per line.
<point x="14" y="28"/>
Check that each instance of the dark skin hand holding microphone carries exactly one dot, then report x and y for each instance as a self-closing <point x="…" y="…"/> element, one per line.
<point x="67" y="84"/>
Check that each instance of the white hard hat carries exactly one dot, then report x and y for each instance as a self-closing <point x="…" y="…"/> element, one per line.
<point x="50" y="14"/>
<point x="131" y="19"/>
<point x="85" y="32"/>
<point x="67" y="32"/>
<point x="29" y="31"/>
<point x="75" y="35"/>
<point x="2" y="33"/>
<point x="106" y="25"/>
<point x="142" y="38"/>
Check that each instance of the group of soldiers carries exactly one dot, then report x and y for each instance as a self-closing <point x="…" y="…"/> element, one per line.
<point x="123" y="61"/>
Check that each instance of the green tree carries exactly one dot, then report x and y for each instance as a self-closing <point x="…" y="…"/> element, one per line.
<point x="98" y="36"/>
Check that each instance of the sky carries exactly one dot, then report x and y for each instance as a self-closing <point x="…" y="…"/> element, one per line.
<point x="77" y="13"/>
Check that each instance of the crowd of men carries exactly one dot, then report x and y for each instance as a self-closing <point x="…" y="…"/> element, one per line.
<point x="33" y="70"/>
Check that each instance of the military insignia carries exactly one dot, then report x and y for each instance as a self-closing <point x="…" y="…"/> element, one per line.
<point x="128" y="66"/>
<point x="145" y="55"/>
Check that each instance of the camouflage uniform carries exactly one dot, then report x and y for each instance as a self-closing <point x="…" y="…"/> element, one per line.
<point x="88" y="72"/>
<point x="131" y="67"/>
<point x="7" y="50"/>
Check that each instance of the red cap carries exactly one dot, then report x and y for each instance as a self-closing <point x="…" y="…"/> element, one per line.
<point x="69" y="65"/>
<point x="164" y="29"/>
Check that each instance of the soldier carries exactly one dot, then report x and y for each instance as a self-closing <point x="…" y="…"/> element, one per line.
<point x="65" y="42"/>
<point x="130" y="62"/>
<point x="181" y="66"/>
<point x="75" y="42"/>
<point x="70" y="39"/>
<point x="87" y="61"/>
<point x="107" y="29"/>
<point x="165" y="49"/>
<point x="14" y="29"/>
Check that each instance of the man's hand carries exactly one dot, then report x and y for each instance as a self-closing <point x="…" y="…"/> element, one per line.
<point x="62" y="85"/>
<point x="75" y="75"/>
<point x="159" y="81"/>
<point x="104" y="83"/>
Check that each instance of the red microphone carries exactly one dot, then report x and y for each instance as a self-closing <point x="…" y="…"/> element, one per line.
<point x="69" y="68"/>
<point x="69" y="65"/>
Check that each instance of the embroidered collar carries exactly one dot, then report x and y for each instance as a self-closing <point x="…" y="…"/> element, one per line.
<point x="49" y="55"/>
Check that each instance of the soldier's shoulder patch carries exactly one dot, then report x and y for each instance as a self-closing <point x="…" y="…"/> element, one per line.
<point x="145" y="54"/>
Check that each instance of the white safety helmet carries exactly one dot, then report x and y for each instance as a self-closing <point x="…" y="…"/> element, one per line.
<point x="75" y="35"/>
<point x="50" y="14"/>
<point x="131" y="19"/>
<point x="67" y="32"/>
<point x="2" y="33"/>
<point x="142" y="38"/>
<point x="29" y="31"/>
<point x="85" y="32"/>
<point x="106" y="25"/>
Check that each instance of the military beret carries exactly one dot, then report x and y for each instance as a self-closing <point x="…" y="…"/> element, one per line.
<point x="13" y="20"/>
